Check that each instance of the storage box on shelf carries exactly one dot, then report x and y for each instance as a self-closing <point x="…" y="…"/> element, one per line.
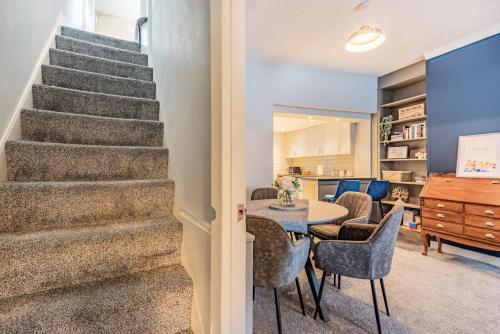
<point x="463" y="210"/>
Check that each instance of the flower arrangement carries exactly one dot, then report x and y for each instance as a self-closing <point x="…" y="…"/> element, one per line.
<point x="288" y="186"/>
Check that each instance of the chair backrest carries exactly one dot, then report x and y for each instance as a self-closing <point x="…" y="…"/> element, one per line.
<point x="358" y="204"/>
<point x="347" y="185"/>
<point x="276" y="261"/>
<point x="264" y="193"/>
<point x="378" y="189"/>
<point x="383" y="240"/>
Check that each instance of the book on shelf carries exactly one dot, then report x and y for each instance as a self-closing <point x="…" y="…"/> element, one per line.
<point x="414" y="131"/>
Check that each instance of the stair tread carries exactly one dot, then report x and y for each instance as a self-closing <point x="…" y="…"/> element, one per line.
<point x="158" y="300"/>
<point x="99" y="50"/>
<point x="94" y="103"/>
<point x="81" y="61"/>
<point x="100" y="39"/>
<point x="86" y="146"/>
<point x="95" y="252"/>
<point x="97" y="82"/>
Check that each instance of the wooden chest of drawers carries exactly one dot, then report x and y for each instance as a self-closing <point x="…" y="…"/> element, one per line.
<point x="462" y="210"/>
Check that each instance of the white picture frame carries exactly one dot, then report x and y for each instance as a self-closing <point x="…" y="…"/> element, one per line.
<point x="479" y="156"/>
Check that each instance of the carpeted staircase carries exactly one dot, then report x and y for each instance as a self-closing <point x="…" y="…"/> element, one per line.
<point x="88" y="241"/>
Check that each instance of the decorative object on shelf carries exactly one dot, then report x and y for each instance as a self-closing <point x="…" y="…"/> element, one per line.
<point x="420" y="179"/>
<point x="397" y="136"/>
<point x="415" y="131"/>
<point x="397" y="152"/>
<point x="408" y="217"/>
<point x="479" y="156"/>
<point x="400" y="194"/>
<point x="288" y="187"/>
<point x="367" y="37"/>
<point x="421" y="155"/>
<point x="397" y="175"/>
<point x="385" y="128"/>
<point x="412" y="111"/>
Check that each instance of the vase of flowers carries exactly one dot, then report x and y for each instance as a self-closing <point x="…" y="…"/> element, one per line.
<point x="288" y="187"/>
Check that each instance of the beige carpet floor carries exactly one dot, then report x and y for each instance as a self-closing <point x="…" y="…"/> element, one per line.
<point x="438" y="293"/>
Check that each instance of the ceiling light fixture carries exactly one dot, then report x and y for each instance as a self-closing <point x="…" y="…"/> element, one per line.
<point x="367" y="37"/>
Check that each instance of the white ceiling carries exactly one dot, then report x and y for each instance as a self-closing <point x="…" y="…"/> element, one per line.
<point x="286" y="122"/>
<point x="314" y="32"/>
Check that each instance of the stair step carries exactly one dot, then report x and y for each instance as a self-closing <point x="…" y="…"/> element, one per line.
<point x="53" y="259"/>
<point x="59" y="127"/>
<point x="30" y="161"/>
<point x="91" y="103"/>
<point x="100" y="39"/>
<point x="33" y="206"/>
<point x="101" y="51"/>
<point x="95" y="82"/>
<point x="157" y="301"/>
<point x="99" y="65"/>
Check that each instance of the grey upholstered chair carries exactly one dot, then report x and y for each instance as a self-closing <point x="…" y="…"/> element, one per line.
<point x="277" y="260"/>
<point x="363" y="251"/>
<point x="264" y="193"/>
<point x="359" y="206"/>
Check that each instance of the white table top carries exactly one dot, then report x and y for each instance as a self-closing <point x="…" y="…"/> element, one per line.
<point x="318" y="212"/>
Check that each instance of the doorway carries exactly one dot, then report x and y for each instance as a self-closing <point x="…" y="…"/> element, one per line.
<point x="117" y="18"/>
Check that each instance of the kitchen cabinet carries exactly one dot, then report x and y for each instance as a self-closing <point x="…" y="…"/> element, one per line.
<point x="310" y="189"/>
<point x="302" y="143"/>
<point x="316" y="140"/>
<point x="332" y="138"/>
<point x="291" y="144"/>
<point x="347" y="132"/>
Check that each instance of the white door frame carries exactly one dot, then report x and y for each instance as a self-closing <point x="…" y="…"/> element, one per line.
<point x="228" y="231"/>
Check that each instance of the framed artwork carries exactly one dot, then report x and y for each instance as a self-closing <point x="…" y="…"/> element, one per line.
<point x="397" y="152"/>
<point x="479" y="156"/>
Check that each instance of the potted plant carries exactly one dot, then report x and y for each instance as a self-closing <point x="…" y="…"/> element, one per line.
<point x="288" y="187"/>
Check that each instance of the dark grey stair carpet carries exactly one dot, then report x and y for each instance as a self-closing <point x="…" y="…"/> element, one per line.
<point x="99" y="65"/>
<point x="102" y="51"/>
<point x="29" y="161"/>
<point x="97" y="104"/>
<point x="155" y="301"/>
<point x="59" y="127"/>
<point x="100" y="39"/>
<point x="46" y="260"/>
<point x="88" y="240"/>
<point x="96" y="82"/>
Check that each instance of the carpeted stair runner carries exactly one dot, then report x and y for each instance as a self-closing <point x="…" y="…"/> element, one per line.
<point x="88" y="241"/>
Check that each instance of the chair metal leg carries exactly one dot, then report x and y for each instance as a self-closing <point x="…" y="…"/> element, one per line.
<point x="299" y="291"/>
<point x="338" y="282"/>
<point x="385" y="296"/>
<point x="375" y="306"/>
<point x="254" y="292"/>
<point x="278" y="313"/>
<point x="320" y="294"/>
<point x="335" y="280"/>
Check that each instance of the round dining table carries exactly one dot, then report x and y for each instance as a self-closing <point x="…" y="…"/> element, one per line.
<point x="297" y="221"/>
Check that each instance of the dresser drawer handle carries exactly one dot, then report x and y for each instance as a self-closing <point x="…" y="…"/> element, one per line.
<point x="489" y="224"/>
<point x="489" y="236"/>
<point x="441" y="205"/>
<point x="440" y="215"/>
<point x="440" y="225"/>
<point x="489" y="212"/>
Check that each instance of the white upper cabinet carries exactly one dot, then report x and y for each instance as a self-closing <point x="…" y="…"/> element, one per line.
<point x="332" y="138"/>
<point x="328" y="139"/>
<point x="316" y="140"/>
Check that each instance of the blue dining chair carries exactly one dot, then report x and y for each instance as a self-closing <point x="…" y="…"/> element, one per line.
<point x="342" y="187"/>
<point x="378" y="190"/>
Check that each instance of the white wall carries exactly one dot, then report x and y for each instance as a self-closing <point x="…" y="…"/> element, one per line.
<point x="180" y="53"/>
<point x="26" y="29"/>
<point x="127" y="9"/>
<point x="296" y="85"/>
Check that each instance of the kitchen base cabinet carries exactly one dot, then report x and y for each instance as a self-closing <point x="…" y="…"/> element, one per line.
<point x="310" y="189"/>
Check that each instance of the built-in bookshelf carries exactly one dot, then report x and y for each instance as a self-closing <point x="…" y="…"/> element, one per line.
<point x="401" y="89"/>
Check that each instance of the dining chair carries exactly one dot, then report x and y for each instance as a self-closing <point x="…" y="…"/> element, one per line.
<point x="277" y="260"/>
<point x="264" y="193"/>
<point x="342" y="187"/>
<point x="363" y="251"/>
<point x="378" y="190"/>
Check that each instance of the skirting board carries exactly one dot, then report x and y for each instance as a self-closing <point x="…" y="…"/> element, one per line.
<point x="195" y="257"/>
<point x="13" y="131"/>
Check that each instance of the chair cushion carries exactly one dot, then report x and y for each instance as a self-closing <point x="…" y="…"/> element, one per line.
<point x="325" y="231"/>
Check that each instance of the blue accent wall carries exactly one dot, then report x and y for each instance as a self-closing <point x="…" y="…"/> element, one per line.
<point x="463" y="98"/>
